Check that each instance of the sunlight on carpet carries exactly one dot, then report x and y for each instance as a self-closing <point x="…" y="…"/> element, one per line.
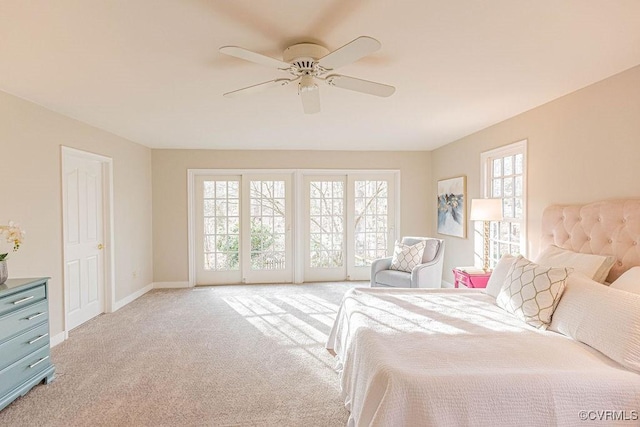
<point x="222" y="355"/>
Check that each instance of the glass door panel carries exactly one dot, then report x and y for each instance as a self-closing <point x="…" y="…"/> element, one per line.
<point x="371" y="225"/>
<point x="268" y="238"/>
<point x="325" y="257"/>
<point x="218" y="230"/>
<point x="372" y="219"/>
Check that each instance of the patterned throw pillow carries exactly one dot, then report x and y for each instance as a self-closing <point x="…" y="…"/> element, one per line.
<point x="531" y="292"/>
<point x="406" y="257"/>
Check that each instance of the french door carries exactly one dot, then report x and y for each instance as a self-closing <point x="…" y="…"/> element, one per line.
<point x="243" y="228"/>
<point x="349" y="222"/>
<point x="325" y="228"/>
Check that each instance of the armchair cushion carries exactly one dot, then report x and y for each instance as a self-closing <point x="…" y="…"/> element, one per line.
<point x="406" y="257"/>
<point x="394" y="278"/>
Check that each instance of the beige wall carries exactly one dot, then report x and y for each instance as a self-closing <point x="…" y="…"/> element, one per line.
<point x="30" y="193"/>
<point x="582" y="147"/>
<point x="170" y="190"/>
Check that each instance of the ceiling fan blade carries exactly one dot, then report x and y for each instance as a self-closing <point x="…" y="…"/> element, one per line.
<point x="258" y="88"/>
<point x="359" y="85"/>
<point x="258" y="58"/>
<point x="351" y="52"/>
<point x="310" y="101"/>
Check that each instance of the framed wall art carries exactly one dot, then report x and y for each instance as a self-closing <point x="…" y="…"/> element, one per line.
<point x="452" y="206"/>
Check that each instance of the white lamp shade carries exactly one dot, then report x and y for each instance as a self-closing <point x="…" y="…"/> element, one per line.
<point x="486" y="210"/>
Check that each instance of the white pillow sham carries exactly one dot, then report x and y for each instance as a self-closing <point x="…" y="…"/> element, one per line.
<point x="531" y="292"/>
<point x="629" y="281"/>
<point x="603" y="318"/>
<point x="593" y="266"/>
<point x="499" y="273"/>
<point x="406" y="257"/>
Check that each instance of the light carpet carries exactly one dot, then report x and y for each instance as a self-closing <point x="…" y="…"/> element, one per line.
<point x="250" y="355"/>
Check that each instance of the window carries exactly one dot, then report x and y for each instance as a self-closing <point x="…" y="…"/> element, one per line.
<point x="504" y="177"/>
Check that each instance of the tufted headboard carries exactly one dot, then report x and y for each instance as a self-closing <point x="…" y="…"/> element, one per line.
<point x="610" y="227"/>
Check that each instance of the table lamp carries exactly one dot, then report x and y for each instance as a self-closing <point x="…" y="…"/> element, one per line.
<point x="486" y="210"/>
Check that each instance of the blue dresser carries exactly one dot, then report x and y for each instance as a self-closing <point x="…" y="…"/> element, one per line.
<point x="24" y="337"/>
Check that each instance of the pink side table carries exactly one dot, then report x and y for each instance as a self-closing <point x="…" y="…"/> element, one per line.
<point x="471" y="278"/>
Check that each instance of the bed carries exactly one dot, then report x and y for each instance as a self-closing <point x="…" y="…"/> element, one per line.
<point x="453" y="357"/>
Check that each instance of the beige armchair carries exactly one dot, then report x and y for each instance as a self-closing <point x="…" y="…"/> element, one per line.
<point x="425" y="275"/>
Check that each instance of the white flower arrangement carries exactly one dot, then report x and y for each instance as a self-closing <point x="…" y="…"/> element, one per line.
<point x="13" y="234"/>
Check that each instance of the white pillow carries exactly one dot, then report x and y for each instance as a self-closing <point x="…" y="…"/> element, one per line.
<point x="499" y="274"/>
<point x="595" y="267"/>
<point x="603" y="318"/>
<point x="406" y="257"/>
<point x="531" y="291"/>
<point x="629" y="281"/>
<point x="431" y="249"/>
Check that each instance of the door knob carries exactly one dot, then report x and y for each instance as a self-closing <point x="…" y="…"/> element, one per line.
<point x="100" y="246"/>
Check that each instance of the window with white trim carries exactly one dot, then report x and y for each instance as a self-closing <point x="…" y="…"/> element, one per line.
<point x="504" y="177"/>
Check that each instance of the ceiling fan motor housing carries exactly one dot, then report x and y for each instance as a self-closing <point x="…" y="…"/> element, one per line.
<point x="304" y="57"/>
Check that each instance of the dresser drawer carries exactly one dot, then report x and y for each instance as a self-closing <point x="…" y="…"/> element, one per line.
<point x="24" y="369"/>
<point x="21" y="299"/>
<point x="18" y="347"/>
<point x="19" y="321"/>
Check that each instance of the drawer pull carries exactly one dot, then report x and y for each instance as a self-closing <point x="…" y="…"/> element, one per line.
<point x="20" y="301"/>
<point x="36" y="315"/>
<point x="38" y="339"/>
<point x="33" y="365"/>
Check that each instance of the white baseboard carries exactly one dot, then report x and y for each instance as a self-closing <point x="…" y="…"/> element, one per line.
<point x="58" y="338"/>
<point x="446" y="284"/>
<point x="170" y="285"/>
<point x="134" y="296"/>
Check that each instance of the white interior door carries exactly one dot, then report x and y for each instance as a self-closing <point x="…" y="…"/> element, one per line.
<point x="325" y="244"/>
<point x="83" y="239"/>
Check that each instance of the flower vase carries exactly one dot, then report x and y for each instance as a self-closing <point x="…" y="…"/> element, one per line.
<point x="4" y="273"/>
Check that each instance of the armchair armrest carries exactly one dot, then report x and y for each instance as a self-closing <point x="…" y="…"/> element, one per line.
<point x="379" y="265"/>
<point x="427" y="275"/>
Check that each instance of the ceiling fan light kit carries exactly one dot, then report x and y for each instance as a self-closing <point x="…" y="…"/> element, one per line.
<point x="308" y="62"/>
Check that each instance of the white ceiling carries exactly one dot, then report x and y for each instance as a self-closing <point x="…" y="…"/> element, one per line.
<point x="150" y="71"/>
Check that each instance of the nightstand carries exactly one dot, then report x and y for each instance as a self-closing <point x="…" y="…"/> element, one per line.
<point x="471" y="277"/>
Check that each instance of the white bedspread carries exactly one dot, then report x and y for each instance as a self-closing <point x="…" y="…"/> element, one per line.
<point x="450" y="357"/>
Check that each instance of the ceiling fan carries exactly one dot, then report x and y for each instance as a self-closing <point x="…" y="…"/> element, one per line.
<point x="308" y="62"/>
